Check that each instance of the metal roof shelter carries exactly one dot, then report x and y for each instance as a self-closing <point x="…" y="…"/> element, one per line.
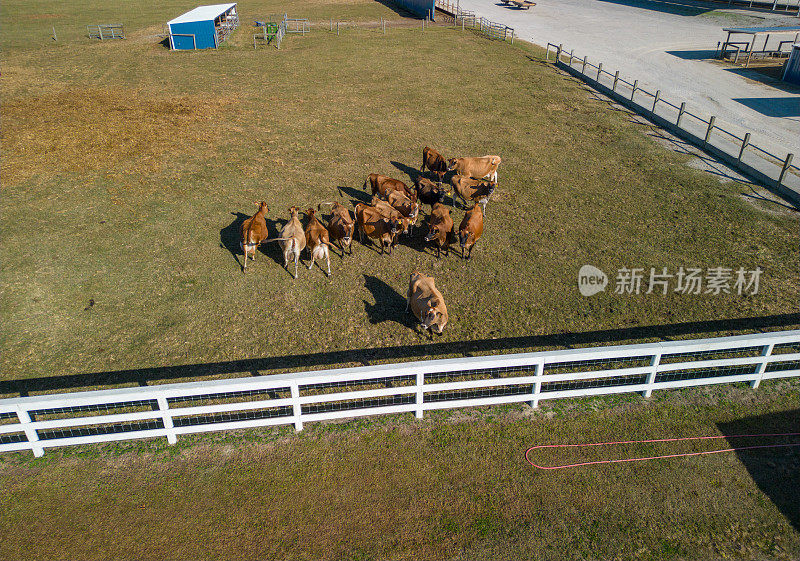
<point x="750" y="43"/>
<point x="205" y="27"/>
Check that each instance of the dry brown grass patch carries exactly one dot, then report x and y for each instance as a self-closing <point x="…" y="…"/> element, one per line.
<point x="91" y="130"/>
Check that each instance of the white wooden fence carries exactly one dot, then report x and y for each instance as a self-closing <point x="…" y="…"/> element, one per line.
<point x="39" y="422"/>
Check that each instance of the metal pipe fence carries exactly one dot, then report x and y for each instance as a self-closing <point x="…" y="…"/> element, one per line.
<point x="467" y="19"/>
<point x="739" y="151"/>
<point x="40" y="422"/>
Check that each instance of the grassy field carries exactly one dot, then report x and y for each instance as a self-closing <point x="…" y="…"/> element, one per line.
<point x="125" y="173"/>
<point x="454" y="485"/>
<point x="127" y="169"/>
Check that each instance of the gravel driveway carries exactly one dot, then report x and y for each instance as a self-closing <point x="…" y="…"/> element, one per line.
<point x="662" y="44"/>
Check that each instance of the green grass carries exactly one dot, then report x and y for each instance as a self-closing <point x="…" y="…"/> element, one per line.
<point x="453" y="485"/>
<point x="129" y="195"/>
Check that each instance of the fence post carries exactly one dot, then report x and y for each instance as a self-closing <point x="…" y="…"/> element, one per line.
<point x="583" y="67"/>
<point x="745" y="142"/>
<point x="55" y="37"/>
<point x="710" y="128"/>
<point x="163" y="406"/>
<point x="785" y="168"/>
<point x="616" y="79"/>
<point x="297" y="409"/>
<point x="765" y="352"/>
<point x="655" y="100"/>
<point x="571" y="56"/>
<point x="331" y="25"/>
<point x="337" y="28"/>
<point x="420" y="394"/>
<point x="558" y="54"/>
<point x="30" y="432"/>
<point x="681" y="111"/>
<point x="635" y="86"/>
<point x="537" y="384"/>
<point x="599" y="71"/>
<point x="651" y="376"/>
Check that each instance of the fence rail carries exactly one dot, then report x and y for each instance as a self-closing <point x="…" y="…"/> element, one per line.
<point x="466" y="18"/>
<point x="41" y="422"/>
<point x="738" y="151"/>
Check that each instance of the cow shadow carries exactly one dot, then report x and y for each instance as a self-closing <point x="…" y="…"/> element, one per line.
<point x="273" y="249"/>
<point x="412" y="173"/>
<point x="230" y="234"/>
<point x="356" y="195"/>
<point x="389" y="304"/>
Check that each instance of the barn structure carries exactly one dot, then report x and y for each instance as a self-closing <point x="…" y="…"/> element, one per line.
<point x="205" y="27"/>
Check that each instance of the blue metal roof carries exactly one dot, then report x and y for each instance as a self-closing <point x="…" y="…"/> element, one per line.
<point x="202" y="13"/>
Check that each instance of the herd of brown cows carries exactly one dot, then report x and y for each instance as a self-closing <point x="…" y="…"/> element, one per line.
<point x="393" y="211"/>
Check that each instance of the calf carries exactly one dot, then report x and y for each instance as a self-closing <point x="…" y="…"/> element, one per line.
<point x="292" y="239"/>
<point x="253" y="232"/>
<point x="470" y="230"/>
<point x="317" y="240"/>
<point x="340" y="226"/>
<point x="476" y="190"/>
<point x="429" y="192"/>
<point x="426" y="302"/>
<point x="374" y="225"/>
<point x="434" y="161"/>
<point x="440" y="228"/>
<point x="485" y="166"/>
<point x="383" y="185"/>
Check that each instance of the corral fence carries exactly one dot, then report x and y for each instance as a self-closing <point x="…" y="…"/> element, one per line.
<point x="451" y="12"/>
<point x="738" y="151"/>
<point x="104" y="31"/>
<point x="39" y="422"/>
<point x="274" y="28"/>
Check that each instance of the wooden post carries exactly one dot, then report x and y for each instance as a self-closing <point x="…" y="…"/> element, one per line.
<point x="571" y="56"/>
<point x="384" y="27"/>
<point x="745" y="142"/>
<point x="616" y="79"/>
<point x="337" y="28"/>
<point x="331" y="25"/>
<point x="785" y="168"/>
<point x="599" y="70"/>
<point x="655" y="100"/>
<point x="710" y="128"/>
<point x="583" y="67"/>
<point x="635" y="86"/>
<point x="680" y="114"/>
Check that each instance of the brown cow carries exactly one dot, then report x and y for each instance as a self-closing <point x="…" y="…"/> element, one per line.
<point x="253" y="232"/>
<point x="374" y="225"/>
<point x="440" y="228"/>
<point x="429" y="192"/>
<point x="293" y="239"/>
<point x="388" y="211"/>
<point x="479" y="168"/>
<point x="475" y="190"/>
<point x="426" y="302"/>
<point x="340" y="226"/>
<point x="317" y="240"/>
<point x="471" y="229"/>
<point x="434" y="161"/>
<point x="406" y="206"/>
<point x="382" y="184"/>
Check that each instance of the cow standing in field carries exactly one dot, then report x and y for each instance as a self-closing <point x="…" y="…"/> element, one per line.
<point x="475" y="190"/>
<point x="434" y="161"/>
<point x="253" y="232"/>
<point x="383" y="185"/>
<point x="317" y="240"/>
<point x="377" y="226"/>
<point x="471" y="230"/>
<point x="479" y="168"/>
<point x="293" y="239"/>
<point x="429" y="192"/>
<point x="388" y="211"/>
<point x="405" y="206"/>
<point x="340" y="226"/>
<point x="426" y="302"/>
<point x="440" y="228"/>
